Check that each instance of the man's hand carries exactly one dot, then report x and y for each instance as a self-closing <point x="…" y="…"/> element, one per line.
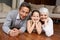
<point x="14" y="32"/>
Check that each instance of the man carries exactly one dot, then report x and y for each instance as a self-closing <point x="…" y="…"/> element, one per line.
<point x="16" y="20"/>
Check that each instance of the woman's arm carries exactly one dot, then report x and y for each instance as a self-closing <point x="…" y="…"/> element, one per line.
<point x="38" y="28"/>
<point x="29" y="26"/>
<point x="48" y="28"/>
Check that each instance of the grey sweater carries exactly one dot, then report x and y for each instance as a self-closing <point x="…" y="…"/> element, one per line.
<point x="10" y="22"/>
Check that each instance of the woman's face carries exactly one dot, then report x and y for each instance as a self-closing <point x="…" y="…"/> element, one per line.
<point x="35" y="16"/>
<point x="43" y="16"/>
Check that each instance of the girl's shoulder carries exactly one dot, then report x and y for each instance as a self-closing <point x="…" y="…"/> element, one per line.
<point x="29" y="21"/>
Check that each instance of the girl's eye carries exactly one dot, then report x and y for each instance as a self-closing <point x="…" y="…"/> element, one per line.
<point x="33" y="16"/>
<point x="37" y="16"/>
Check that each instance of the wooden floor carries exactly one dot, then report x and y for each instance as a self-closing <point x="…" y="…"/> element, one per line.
<point x="32" y="36"/>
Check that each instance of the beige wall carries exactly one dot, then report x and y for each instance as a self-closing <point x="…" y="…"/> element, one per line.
<point x="4" y="9"/>
<point x="57" y="2"/>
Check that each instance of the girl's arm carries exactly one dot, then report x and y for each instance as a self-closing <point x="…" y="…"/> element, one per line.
<point x="38" y="28"/>
<point x="29" y="26"/>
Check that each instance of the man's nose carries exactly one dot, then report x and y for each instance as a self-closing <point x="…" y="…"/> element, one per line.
<point x="24" y="14"/>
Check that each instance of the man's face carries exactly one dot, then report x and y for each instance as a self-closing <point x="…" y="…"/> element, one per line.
<point x="23" y="12"/>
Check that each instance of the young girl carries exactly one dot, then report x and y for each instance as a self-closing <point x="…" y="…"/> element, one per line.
<point x="47" y="23"/>
<point x="34" y="25"/>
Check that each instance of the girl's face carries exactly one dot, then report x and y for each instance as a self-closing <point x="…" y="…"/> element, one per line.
<point x="43" y="16"/>
<point x="35" y="16"/>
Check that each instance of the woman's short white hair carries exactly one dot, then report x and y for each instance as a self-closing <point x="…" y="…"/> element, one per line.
<point x="44" y="10"/>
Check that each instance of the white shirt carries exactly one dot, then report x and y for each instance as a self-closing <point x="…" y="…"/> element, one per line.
<point x="18" y="17"/>
<point x="48" y="29"/>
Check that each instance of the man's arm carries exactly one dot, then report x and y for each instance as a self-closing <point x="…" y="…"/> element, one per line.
<point x="23" y="28"/>
<point x="7" y="23"/>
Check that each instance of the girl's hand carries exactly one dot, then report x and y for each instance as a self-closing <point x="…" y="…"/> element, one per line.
<point x="33" y="20"/>
<point x="37" y="21"/>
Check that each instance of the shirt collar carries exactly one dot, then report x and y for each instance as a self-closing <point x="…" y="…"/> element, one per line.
<point x="18" y="17"/>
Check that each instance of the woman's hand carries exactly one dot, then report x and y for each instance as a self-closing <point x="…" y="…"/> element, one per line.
<point x="45" y="22"/>
<point x="38" y="27"/>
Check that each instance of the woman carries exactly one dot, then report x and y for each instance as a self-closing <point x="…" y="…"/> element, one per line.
<point x="47" y="23"/>
<point x="34" y="25"/>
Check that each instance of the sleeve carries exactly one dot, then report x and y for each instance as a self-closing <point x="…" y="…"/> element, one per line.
<point x="48" y="28"/>
<point x="23" y="28"/>
<point x="7" y="23"/>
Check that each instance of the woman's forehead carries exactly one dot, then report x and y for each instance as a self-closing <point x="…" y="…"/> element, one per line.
<point x="44" y="14"/>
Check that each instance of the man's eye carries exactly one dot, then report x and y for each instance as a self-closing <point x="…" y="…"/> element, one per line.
<point x="23" y="11"/>
<point x="26" y="12"/>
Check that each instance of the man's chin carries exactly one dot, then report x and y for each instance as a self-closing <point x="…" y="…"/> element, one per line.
<point x="23" y="18"/>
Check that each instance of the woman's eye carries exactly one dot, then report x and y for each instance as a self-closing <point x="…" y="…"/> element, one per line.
<point x="41" y="15"/>
<point x="45" y="15"/>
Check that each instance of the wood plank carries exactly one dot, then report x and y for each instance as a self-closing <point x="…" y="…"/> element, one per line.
<point x="33" y="36"/>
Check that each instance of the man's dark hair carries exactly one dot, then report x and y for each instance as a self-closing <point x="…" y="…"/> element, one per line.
<point x="25" y="4"/>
